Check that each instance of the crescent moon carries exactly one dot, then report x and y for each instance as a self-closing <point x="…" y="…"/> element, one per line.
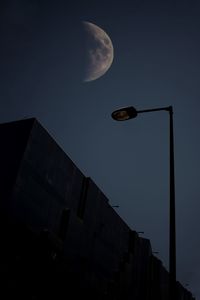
<point x="99" y="52"/>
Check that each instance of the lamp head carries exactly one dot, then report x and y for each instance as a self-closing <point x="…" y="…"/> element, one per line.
<point x="124" y="114"/>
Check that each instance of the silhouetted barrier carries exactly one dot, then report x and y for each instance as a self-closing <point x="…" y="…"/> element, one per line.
<point x="60" y="237"/>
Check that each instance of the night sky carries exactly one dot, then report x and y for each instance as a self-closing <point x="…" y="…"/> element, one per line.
<point x="156" y="63"/>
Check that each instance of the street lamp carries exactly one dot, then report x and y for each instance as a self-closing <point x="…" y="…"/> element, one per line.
<point x="128" y="113"/>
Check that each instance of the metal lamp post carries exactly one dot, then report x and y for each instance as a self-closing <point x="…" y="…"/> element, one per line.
<point x="128" y="113"/>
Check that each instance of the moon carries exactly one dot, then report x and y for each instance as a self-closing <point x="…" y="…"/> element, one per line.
<point x="99" y="52"/>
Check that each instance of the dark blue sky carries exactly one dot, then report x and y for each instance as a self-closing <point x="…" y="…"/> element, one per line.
<point x="156" y="63"/>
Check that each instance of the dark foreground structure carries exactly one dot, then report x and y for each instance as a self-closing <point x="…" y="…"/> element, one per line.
<point x="60" y="238"/>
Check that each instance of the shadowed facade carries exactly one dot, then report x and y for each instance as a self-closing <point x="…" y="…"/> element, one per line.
<point x="61" y="239"/>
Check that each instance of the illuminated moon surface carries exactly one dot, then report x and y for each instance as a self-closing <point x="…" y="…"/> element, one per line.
<point x="99" y="52"/>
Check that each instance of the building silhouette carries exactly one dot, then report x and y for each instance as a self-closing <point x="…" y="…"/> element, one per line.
<point x="60" y="237"/>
